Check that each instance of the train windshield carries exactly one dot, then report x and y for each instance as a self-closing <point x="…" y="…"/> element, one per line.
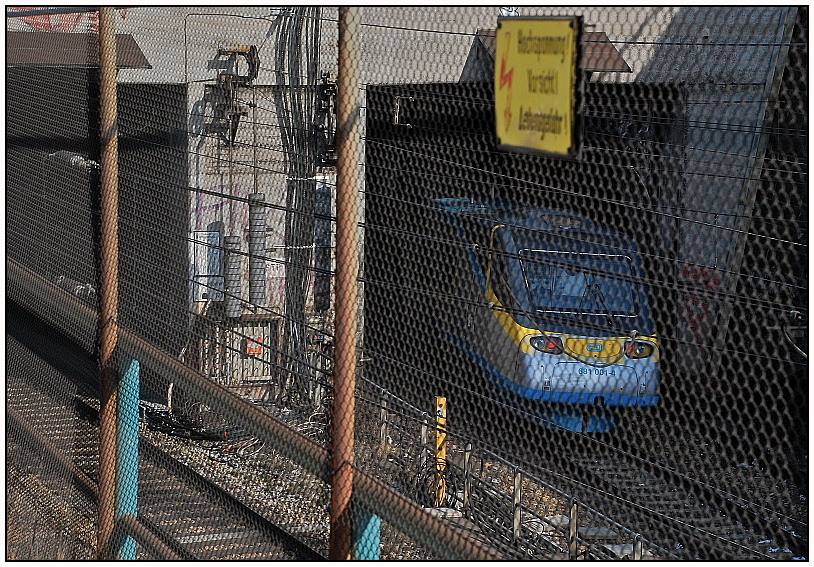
<point x="579" y="283"/>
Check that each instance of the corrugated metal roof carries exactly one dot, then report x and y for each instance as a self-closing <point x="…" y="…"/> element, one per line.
<point x="736" y="45"/>
<point x="598" y="53"/>
<point x="56" y="49"/>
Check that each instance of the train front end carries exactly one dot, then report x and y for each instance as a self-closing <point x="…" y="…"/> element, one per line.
<point x="571" y="298"/>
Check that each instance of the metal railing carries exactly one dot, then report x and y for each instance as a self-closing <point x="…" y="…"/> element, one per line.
<point x="77" y="320"/>
<point x="270" y="274"/>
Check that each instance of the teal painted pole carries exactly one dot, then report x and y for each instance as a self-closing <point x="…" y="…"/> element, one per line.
<point x="366" y="536"/>
<point x="127" y="455"/>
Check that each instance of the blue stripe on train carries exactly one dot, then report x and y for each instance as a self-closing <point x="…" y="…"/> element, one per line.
<point x="564" y="411"/>
<point x="581" y="398"/>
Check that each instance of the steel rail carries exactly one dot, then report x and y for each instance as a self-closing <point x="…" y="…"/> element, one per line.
<point x="160" y="458"/>
<point x="17" y="424"/>
<point x="275" y="532"/>
<point x="758" y="519"/>
<point x="64" y="312"/>
<point x="131" y="525"/>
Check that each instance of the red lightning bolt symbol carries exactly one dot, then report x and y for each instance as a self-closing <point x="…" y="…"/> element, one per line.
<point x="504" y="76"/>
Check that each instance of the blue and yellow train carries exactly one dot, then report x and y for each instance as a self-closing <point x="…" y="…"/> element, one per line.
<point x="556" y="313"/>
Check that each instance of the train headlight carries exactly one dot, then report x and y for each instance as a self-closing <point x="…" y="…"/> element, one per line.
<point x="639" y="349"/>
<point x="550" y="345"/>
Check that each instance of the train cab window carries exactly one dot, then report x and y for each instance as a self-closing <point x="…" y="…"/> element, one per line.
<point x="499" y="278"/>
<point x="572" y="282"/>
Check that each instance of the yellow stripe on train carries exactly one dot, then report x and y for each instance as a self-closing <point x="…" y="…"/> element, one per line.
<point x="611" y="347"/>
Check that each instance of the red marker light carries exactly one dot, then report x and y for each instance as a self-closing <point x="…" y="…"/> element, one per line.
<point x="550" y="345"/>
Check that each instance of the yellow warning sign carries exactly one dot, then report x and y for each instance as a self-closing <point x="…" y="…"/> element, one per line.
<point x="535" y="84"/>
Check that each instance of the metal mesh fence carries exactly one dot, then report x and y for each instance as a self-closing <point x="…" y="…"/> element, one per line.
<point x="278" y="286"/>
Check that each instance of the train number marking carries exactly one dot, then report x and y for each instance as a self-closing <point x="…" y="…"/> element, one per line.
<point x="597" y="371"/>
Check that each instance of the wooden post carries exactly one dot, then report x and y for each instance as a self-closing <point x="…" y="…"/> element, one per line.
<point x="348" y="103"/>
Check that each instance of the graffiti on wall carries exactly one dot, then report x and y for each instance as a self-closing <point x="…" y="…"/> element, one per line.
<point x="697" y="311"/>
<point x="81" y="22"/>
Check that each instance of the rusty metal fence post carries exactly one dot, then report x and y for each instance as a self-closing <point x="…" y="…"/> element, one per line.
<point x="347" y="271"/>
<point x="68" y="315"/>
<point x="108" y="279"/>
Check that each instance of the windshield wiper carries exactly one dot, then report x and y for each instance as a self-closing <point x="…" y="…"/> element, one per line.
<point x="610" y="314"/>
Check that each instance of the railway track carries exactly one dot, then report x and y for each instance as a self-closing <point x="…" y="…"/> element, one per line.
<point x="629" y="507"/>
<point x="692" y="519"/>
<point x="621" y="503"/>
<point x="684" y="516"/>
<point x="50" y="416"/>
<point x="624" y="499"/>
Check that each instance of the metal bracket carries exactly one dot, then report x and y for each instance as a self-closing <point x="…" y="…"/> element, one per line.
<point x="325" y="129"/>
<point x="397" y="108"/>
<point x="249" y="52"/>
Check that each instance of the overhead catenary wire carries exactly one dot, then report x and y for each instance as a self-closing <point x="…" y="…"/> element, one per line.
<point x="750" y="276"/>
<point x="659" y="144"/>
<point x="419" y="291"/>
<point x="654" y="143"/>
<point x="362" y="225"/>
<point x="567" y="192"/>
<point x="172" y="194"/>
<point x="665" y="285"/>
<point x="665" y="145"/>
<point x="662" y="170"/>
<point x="663" y="207"/>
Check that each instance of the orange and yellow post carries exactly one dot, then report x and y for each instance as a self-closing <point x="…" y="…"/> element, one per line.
<point x="440" y="450"/>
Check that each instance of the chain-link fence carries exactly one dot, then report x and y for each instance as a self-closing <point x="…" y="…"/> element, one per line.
<point x="281" y="283"/>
